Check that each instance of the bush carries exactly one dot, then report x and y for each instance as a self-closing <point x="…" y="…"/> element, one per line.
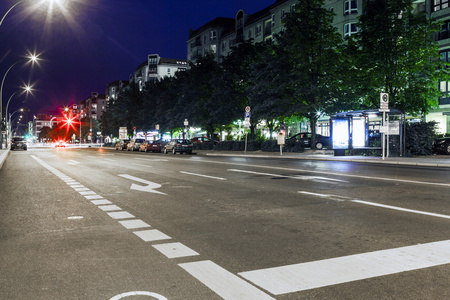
<point x="419" y="138"/>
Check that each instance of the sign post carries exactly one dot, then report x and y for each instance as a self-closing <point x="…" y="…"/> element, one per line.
<point x="246" y="124"/>
<point x="384" y="107"/>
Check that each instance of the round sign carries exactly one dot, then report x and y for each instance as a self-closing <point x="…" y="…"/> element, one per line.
<point x="247" y="109"/>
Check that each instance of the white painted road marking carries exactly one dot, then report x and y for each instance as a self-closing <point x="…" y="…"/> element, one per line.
<point x="222" y="282"/>
<point x="151" y="235"/>
<point x="201" y="175"/>
<point x="120" y="215"/>
<point x="286" y="176"/>
<point x="134" y="224"/>
<point x="149" y="188"/>
<point x="73" y="162"/>
<point x="139" y="293"/>
<point x="316" y="274"/>
<point x="343" y="198"/>
<point x="403" y="209"/>
<point x="111" y="207"/>
<point x="175" y="250"/>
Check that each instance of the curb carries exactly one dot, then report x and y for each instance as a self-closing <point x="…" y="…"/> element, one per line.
<point x="3" y="157"/>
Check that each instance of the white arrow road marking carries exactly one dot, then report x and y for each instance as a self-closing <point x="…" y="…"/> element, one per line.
<point x="285" y="176"/>
<point x="149" y="185"/>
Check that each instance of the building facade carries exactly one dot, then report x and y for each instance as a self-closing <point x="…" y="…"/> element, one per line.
<point x="221" y="34"/>
<point x="113" y="90"/>
<point x="156" y="68"/>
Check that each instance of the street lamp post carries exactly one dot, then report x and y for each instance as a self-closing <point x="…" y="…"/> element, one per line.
<point x="26" y="89"/>
<point x="8" y="126"/>
<point x="14" y="5"/>
<point x="32" y="59"/>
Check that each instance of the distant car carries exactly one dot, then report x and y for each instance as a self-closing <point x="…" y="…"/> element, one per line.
<point x="60" y="144"/>
<point x="122" y="144"/>
<point x="134" y="144"/>
<point x="305" y="138"/>
<point x="18" y="143"/>
<point x="153" y="146"/>
<point x="179" y="145"/>
<point x="202" y="139"/>
<point x="442" y="146"/>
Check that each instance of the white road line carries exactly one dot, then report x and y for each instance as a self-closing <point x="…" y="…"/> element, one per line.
<point x="201" y="175"/>
<point x="322" y="172"/>
<point x="151" y="235"/>
<point x="286" y="176"/>
<point x="134" y="224"/>
<point x="175" y="250"/>
<point x="120" y="215"/>
<point x="342" y="198"/>
<point x="222" y="282"/>
<point x="152" y="159"/>
<point x="402" y="209"/>
<point x="316" y="274"/>
<point x="111" y="207"/>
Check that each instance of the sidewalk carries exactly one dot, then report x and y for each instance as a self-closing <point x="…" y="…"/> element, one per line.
<point x="3" y="155"/>
<point x="428" y="161"/>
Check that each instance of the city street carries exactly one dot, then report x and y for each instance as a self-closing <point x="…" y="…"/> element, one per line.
<point x="96" y="223"/>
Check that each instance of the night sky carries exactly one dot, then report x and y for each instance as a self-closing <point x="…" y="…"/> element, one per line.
<point x="85" y="44"/>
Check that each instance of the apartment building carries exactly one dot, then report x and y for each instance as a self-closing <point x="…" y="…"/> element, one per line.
<point x="113" y="89"/>
<point x="222" y="33"/>
<point x="92" y="107"/>
<point x="155" y="68"/>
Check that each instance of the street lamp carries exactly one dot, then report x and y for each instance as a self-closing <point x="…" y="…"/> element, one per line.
<point x="8" y="126"/>
<point x="20" y="1"/>
<point x="32" y="58"/>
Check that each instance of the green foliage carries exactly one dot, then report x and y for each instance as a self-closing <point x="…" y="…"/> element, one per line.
<point x="420" y="137"/>
<point x="396" y="54"/>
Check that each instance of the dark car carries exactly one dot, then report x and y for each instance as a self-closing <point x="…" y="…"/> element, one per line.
<point x="153" y="146"/>
<point x="18" y="143"/>
<point x="305" y="138"/>
<point x="442" y="146"/>
<point x="134" y="144"/>
<point x="122" y="145"/>
<point x="179" y="145"/>
<point x="202" y="139"/>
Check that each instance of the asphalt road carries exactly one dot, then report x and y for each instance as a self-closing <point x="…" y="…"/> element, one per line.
<point x="106" y="224"/>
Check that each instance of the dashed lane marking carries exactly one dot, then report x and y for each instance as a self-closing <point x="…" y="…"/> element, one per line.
<point x="201" y="175"/>
<point x="317" y="178"/>
<point x="175" y="250"/>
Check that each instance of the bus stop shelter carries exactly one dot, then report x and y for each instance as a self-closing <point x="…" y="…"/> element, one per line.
<point x="363" y="131"/>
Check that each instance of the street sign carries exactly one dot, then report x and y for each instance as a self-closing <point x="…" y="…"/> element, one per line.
<point x="384" y="101"/>
<point x="247" y="115"/>
<point x="247" y="109"/>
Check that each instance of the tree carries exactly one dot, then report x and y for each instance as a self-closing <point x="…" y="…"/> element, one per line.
<point x="397" y="55"/>
<point x="309" y="49"/>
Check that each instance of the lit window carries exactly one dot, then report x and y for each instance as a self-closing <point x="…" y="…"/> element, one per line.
<point x="213" y="49"/>
<point x="440" y="4"/>
<point x="349" y="29"/>
<point x="350" y="7"/>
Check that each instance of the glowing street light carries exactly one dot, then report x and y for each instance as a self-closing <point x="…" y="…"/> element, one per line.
<point x="25" y="89"/>
<point x="51" y="2"/>
<point x="32" y="58"/>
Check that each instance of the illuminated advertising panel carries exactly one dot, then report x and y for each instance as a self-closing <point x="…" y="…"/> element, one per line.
<point x="359" y="133"/>
<point x="341" y="135"/>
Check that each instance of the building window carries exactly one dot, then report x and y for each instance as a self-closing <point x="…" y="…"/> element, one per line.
<point x="250" y="34"/>
<point x="224" y="45"/>
<point x="350" y="7"/>
<point x="349" y="29"/>
<point x="444" y="33"/>
<point x="273" y="20"/>
<point x="213" y="35"/>
<point x="439" y="4"/>
<point x="258" y="30"/>
<point x="204" y="39"/>
<point x="213" y="49"/>
<point x="283" y="13"/>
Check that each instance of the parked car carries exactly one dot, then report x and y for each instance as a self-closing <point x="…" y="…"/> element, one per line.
<point x="179" y="145"/>
<point x="202" y="139"/>
<point x="18" y="143"/>
<point x="442" y="146"/>
<point x="305" y="138"/>
<point x="134" y="144"/>
<point x="122" y="145"/>
<point x="153" y="146"/>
